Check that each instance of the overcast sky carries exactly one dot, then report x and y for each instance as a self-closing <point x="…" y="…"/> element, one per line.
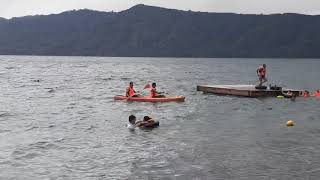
<point x="15" y="8"/>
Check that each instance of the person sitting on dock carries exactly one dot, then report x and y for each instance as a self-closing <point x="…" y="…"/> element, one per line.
<point x="317" y="93"/>
<point x="154" y="93"/>
<point x="130" y="92"/>
<point x="262" y="72"/>
<point x="305" y="93"/>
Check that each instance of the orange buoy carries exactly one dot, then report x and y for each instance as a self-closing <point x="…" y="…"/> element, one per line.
<point x="290" y="123"/>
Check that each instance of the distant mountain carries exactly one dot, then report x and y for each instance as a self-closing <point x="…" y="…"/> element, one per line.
<point x="2" y="19"/>
<point x="153" y="31"/>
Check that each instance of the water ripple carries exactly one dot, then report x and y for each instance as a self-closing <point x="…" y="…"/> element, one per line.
<point x="59" y="120"/>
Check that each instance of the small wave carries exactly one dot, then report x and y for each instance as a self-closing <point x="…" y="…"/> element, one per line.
<point x="5" y="162"/>
<point x="10" y="67"/>
<point x="41" y="97"/>
<point x="21" y="86"/>
<point x="124" y="78"/>
<point x="4" y="131"/>
<point x="83" y="118"/>
<point x="43" y="145"/>
<point x="87" y="98"/>
<point x="28" y="156"/>
<point x="91" y="127"/>
<point x="17" y="153"/>
<point x="31" y="128"/>
<point x="22" y="154"/>
<point x="81" y="66"/>
<point x="314" y="131"/>
<point x="182" y="117"/>
<point x="32" y="150"/>
<point x="107" y="79"/>
<point x="67" y="80"/>
<point x="38" y="144"/>
<point x="51" y="126"/>
<point x="6" y="114"/>
<point x="98" y="146"/>
<point x="36" y="80"/>
<point x="59" y="140"/>
<point x="312" y="118"/>
<point x="52" y="90"/>
<point x="104" y="78"/>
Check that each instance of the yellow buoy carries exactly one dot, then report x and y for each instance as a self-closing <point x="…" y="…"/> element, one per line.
<point x="290" y="123"/>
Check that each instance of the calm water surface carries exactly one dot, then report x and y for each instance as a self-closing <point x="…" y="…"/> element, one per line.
<point x="58" y="120"/>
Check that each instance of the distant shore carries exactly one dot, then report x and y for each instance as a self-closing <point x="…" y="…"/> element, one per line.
<point x="147" y="31"/>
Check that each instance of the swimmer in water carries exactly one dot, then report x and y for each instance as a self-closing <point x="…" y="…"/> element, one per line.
<point x="289" y="93"/>
<point x="132" y="122"/>
<point x="146" y="121"/>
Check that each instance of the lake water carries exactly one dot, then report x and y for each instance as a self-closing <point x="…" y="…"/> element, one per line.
<point x="58" y="120"/>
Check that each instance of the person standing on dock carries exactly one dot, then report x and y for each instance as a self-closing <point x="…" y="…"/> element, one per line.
<point x="262" y="72"/>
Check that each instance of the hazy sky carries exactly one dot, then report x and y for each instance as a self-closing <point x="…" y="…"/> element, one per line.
<point x="14" y="8"/>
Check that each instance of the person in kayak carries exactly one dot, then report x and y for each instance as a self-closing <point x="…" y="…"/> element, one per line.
<point x="154" y="93"/>
<point x="130" y="92"/>
<point x="262" y="72"/>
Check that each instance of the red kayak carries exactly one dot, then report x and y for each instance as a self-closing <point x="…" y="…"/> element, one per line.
<point x="149" y="99"/>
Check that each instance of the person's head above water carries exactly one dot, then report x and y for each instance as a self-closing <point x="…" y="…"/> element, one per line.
<point x="131" y="84"/>
<point x="132" y="119"/>
<point x="264" y="65"/>
<point x="146" y="118"/>
<point x="154" y="85"/>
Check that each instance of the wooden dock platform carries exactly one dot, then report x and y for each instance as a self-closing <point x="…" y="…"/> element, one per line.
<point x="243" y="90"/>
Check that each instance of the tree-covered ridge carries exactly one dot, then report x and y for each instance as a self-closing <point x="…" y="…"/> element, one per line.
<point x="153" y="31"/>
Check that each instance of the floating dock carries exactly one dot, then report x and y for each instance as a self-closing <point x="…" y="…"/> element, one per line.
<point x="243" y="90"/>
